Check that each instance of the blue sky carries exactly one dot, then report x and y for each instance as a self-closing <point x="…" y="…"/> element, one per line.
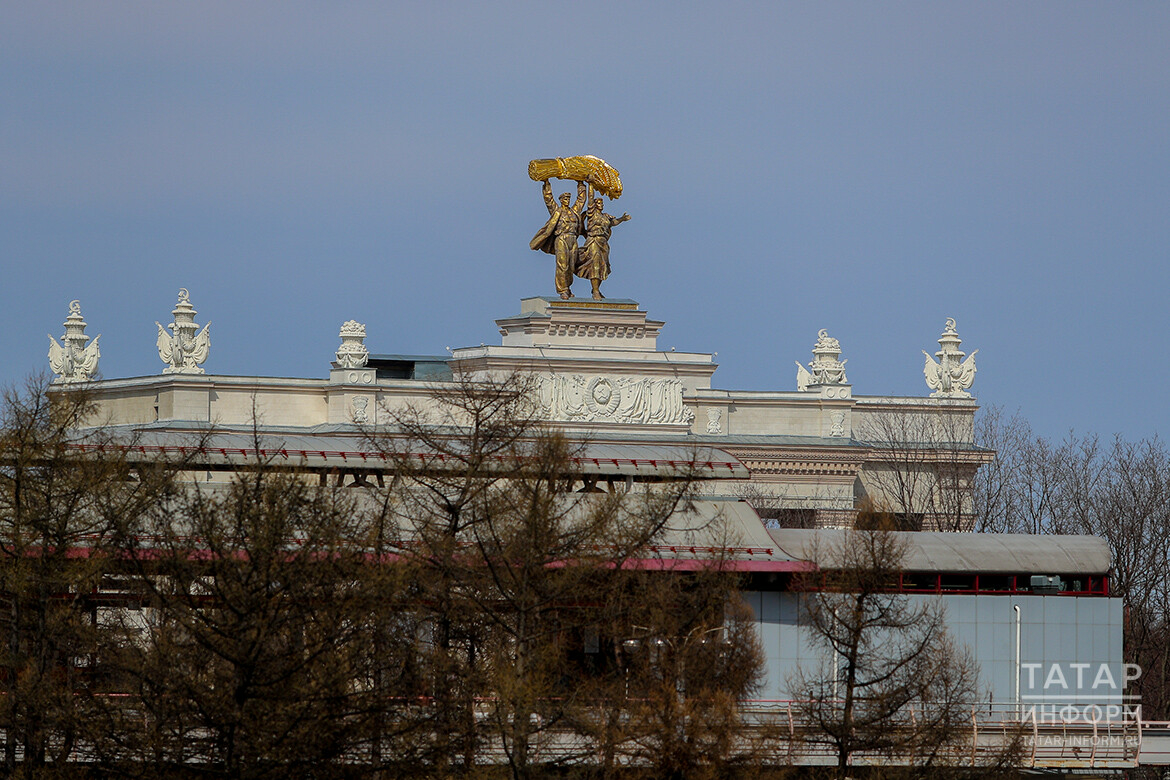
<point x="869" y="168"/>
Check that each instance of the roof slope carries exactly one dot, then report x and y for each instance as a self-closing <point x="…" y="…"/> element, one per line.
<point x="937" y="551"/>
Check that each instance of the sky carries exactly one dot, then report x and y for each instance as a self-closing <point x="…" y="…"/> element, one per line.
<point x="868" y="168"/>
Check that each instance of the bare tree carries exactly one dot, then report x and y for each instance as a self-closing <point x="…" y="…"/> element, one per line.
<point x="1120" y="492"/>
<point x="996" y="502"/>
<point x="1123" y="495"/>
<point x="521" y="562"/>
<point x="451" y="460"/>
<point x="539" y="549"/>
<point x="64" y="488"/>
<point x="894" y="683"/>
<point x="265" y="606"/>
<point x="922" y="463"/>
<point x="686" y="670"/>
<point x="778" y="509"/>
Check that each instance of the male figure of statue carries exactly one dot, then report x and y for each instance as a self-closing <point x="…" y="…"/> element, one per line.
<point x="594" y="263"/>
<point x="559" y="235"/>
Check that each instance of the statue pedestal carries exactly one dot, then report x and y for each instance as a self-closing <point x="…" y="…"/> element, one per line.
<point x="597" y="363"/>
<point x="615" y="323"/>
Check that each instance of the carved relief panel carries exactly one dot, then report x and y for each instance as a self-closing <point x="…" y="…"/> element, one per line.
<point x="579" y="398"/>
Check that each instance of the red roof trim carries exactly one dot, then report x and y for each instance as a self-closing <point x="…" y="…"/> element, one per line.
<point x="365" y="455"/>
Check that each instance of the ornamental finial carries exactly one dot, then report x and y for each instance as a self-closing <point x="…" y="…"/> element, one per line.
<point x="825" y="369"/>
<point x="352" y="353"/>
<point x="72" y="360"/>
<point x="950" y="376"/>
<point x="182" y="350"/>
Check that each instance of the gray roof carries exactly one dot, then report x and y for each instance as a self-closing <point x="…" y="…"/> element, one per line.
<point x="410" y="358"/>
<point x="780" y="440"/>
<point x="322" y="450"/>
<point x="773" y="440"/>
<point x="931" y="551"/>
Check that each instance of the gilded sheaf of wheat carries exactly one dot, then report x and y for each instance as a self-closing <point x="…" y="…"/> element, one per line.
<point x="587" y="168"/>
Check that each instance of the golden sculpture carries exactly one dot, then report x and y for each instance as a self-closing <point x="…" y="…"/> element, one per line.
<point x="566" y="222"/>
<point x="592" y="170"/>
<point x="594" y="262"/>
<point x="559" y="235"/>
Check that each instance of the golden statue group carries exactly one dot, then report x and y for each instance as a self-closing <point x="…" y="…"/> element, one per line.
<point x="585" y="217"/>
